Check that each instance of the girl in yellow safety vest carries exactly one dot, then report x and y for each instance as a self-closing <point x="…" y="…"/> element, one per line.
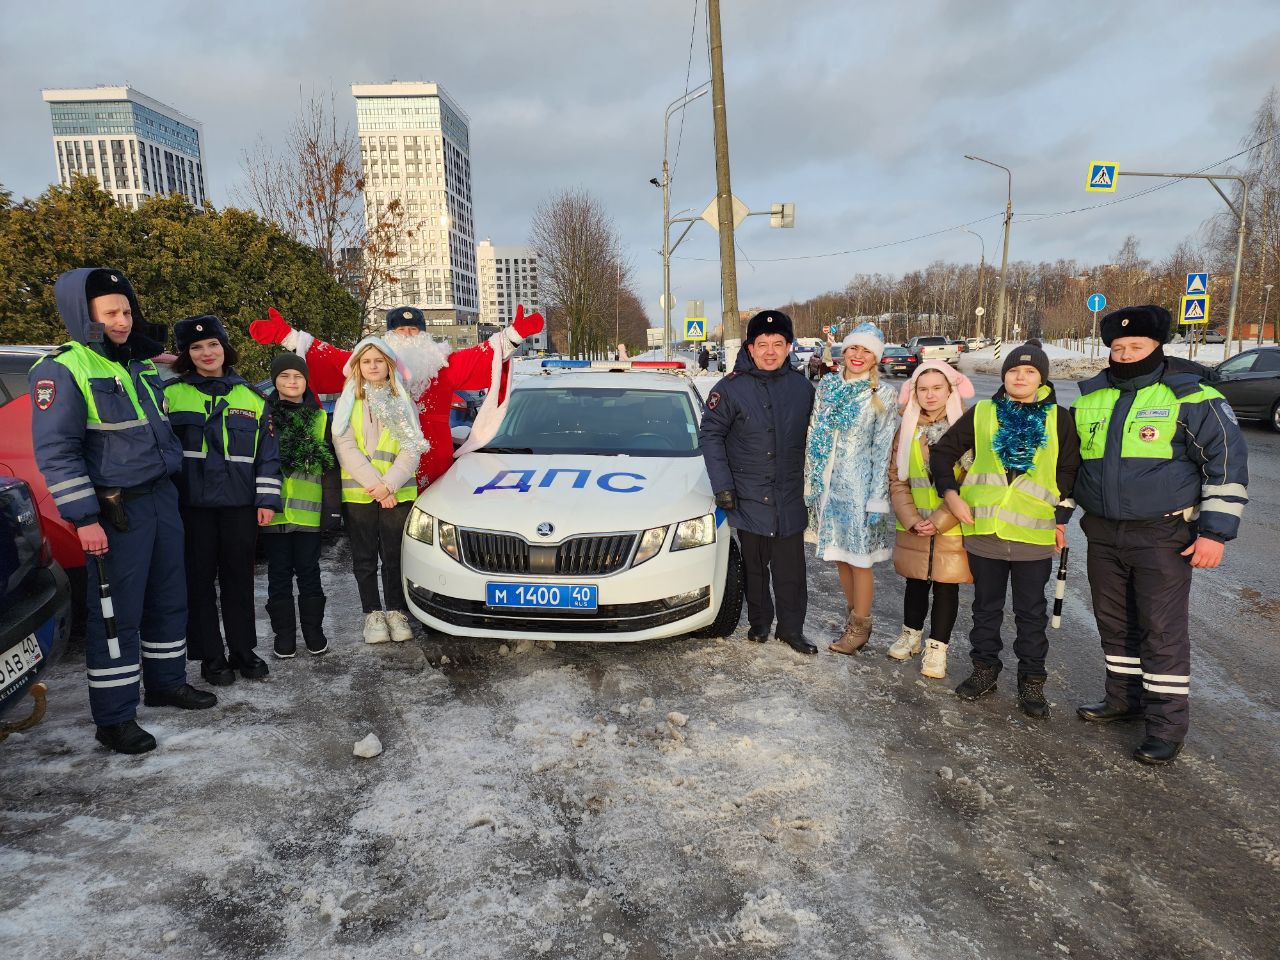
<point x="1012" y="505"/>
<point x="378" y="439"/>
<point x="929" y="551"/>
<point x="292" y="539"/>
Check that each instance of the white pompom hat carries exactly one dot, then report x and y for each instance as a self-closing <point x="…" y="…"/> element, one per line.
<point x="866" y="335"/>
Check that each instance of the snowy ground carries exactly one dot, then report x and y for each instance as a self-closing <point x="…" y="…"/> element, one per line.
<point x="685" y="799"/>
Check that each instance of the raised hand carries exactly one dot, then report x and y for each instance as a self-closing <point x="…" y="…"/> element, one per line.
<point x="272" y="330"/>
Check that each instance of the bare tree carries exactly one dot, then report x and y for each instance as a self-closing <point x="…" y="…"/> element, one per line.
<point x="581" y="266"/>
<point x="310" y="185"/>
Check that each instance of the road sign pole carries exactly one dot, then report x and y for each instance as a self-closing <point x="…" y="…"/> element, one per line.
<point x="1093" y="345"/>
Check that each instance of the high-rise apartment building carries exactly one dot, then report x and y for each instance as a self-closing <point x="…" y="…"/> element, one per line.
<point x="508" y="276"/>
<point x="134" y="146"/>
<point x="415" y="147"/>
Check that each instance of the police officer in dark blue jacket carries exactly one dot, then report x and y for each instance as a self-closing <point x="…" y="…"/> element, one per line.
<point x="107" y="453"/>
<point x="753" y="437"/>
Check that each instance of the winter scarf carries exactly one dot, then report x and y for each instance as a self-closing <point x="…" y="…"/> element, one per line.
<point x="1021" y="431"/>
<point x="396" y="412"/>
<point x="300" y="450"/>
<point x="961" y="390"/>
<point x="840" y="402"/>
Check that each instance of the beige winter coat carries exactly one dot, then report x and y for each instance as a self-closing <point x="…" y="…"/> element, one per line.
<point x="910" y="552"/>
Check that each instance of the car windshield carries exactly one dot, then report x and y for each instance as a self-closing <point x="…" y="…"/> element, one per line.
<point x="602" y="422"/>
<point x="894" y="352"/>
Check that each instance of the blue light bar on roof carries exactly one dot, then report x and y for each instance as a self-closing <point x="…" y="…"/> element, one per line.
<point x="566" y="363"/>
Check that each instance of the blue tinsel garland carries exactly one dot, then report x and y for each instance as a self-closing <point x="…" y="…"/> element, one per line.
<point x="1020" y="432"/>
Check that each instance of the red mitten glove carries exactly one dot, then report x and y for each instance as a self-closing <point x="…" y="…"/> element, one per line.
<point x="527" y="326"/>
<point x="273" y="330"/>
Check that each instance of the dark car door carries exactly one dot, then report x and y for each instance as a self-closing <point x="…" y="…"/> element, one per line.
<point x="1232" y="379"/>
<point x="1261" y="385"/>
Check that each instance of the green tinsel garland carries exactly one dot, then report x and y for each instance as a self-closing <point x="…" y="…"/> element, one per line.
<point x="300" y="451"/>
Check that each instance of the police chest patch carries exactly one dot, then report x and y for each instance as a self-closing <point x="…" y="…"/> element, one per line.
<point x="46" y="390"/>
<point x="1148" y="434"/>
<point x="238" y="412"/>
<point x="1152" y="413"/>
<point x="713" y="401"/>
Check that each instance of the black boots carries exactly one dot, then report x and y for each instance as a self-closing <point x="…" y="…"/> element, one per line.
<point x="217" y="672"/>
<point x="981" y="682"/>
<point x="799" y="644"/>
<point x="1156" y="752"/>
<point x="185" y="697"/>
<point x="280" y="610"/>
<point x="250" y="665"/>
<point x="758" y="637"/>
<point x="1106" y="713"/>
<point x="126" y="737"/>
<point x="311" y="616"/>
<point x="1031" y="697"/>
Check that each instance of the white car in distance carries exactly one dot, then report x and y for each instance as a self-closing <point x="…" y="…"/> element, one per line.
<point x="589" y="516"/>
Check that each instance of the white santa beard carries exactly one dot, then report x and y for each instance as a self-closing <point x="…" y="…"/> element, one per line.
<point x="423" y="357"/>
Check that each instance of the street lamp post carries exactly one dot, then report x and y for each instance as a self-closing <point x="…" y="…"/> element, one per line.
<point x="1001" y="312"/>
<point x="982" y="263"/>
<point x="675" y="106"/>
<point x="1266" y="302"/>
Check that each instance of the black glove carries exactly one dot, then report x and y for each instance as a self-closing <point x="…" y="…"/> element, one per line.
<point x="727" y="500"/>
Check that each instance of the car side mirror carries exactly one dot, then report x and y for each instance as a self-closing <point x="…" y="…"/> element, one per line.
<point x="460" y="435"/>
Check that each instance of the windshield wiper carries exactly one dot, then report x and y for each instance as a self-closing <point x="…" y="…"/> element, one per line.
<point x="505" y="450"/>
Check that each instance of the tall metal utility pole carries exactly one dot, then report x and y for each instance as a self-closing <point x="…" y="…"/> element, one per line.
<point x="724" y="192"/>
<point x="1001" y="309"/>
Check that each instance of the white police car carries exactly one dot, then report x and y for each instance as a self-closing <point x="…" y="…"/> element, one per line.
<point x="589" y="516"/>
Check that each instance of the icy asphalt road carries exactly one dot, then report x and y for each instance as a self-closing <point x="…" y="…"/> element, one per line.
<point x="558" y="803"/>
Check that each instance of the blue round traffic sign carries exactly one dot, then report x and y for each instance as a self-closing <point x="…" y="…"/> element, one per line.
<point x="1096" y="302"/>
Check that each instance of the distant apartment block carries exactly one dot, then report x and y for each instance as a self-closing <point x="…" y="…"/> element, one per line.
<point x="508" y="278"/>
<point x="136" y="147"/>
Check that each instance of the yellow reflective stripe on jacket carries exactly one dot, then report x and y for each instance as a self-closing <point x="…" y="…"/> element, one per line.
<point x="382" y="457"/>
<point x="87" y="365"/>
<point x="302" y="494"/>
<point x="187" y="398"/>
<point x="1023" y="511"/>
<point x="923" y="493"/>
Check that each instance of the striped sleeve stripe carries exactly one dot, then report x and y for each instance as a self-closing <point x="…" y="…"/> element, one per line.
<point x="1217" y="505"/>
<point x="61" y="498"/>
<point x="1225" y="490"/>
<point x="269" y="480"/>
<point x="68" y="484"/>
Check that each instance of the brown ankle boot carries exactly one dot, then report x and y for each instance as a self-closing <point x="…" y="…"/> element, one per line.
<point x="857" y="632"/>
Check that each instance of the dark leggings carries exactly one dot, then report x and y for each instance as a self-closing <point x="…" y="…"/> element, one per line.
<point x="946" y="604"/>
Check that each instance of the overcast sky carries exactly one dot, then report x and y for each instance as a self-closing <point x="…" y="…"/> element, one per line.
<point x="857" y="112"/>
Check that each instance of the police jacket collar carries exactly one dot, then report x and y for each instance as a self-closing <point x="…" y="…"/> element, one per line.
<point x="1183" y="377"/>
<point x="216" y="385"/>
<point x="745" y="364"/>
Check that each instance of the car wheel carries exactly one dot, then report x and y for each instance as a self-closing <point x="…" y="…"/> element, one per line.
<point x="731" y="603"/>
<point x="1275" y="417"/>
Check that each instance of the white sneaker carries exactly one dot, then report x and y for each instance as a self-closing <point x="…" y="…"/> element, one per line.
<point x="934" y="664"/>
<point x="375" y="627"/>
<point x="907" y="645"/>
<point x="398" y="624"/>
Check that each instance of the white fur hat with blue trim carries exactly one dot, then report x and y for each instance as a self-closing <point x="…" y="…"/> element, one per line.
<point x="866" y="335"/>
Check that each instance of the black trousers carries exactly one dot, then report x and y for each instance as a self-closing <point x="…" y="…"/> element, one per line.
<point x="219" y="547"/>
<point x="1141" y="587"/>
<point x="292" y="555"/>
<point x="780" y="559"/>
<point x="946" y="606"/>
<point x="991" y="580"/>
<point x="374" y="533"/>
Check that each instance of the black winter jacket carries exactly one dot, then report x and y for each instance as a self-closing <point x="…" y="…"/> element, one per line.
<point x="753" y="438"/>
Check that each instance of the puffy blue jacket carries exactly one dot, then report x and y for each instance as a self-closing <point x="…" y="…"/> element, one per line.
<point x="752" y="438"/>
<point x="119" y="436"/>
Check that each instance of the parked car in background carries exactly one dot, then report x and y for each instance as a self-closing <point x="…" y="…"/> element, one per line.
<point x="973" y="343"/>
<point x="35" y="595"/>
<point x="1251" y="383"/>
<point x="933" y="348"/>
<point x="961" y="345"/>
<point x="898" y="361"/>
<point x="1213" y="336"/>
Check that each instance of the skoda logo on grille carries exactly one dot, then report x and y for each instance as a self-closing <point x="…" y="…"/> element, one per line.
<point x="545" y="529"/>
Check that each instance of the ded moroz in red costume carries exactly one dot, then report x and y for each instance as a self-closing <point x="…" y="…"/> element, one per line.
<point x="435" y="373"/>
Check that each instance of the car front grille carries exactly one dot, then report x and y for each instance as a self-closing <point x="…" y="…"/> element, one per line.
<point x="591" y="556"/>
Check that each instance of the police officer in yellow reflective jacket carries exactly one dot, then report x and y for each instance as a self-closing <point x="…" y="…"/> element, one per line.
<point x="230" y="486"/>
<point x="1163" y="483"/>
<point x="107" y="452"/>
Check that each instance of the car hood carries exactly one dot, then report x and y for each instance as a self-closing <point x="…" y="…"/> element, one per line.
<point x="575" y="494"/>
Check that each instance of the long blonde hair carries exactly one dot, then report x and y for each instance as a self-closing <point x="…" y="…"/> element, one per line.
<point x="357" y="379"/>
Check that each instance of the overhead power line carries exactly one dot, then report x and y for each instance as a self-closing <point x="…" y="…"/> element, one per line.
<point x="688" y="70"/>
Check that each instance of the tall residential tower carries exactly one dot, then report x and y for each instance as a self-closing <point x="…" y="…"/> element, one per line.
<point x="508" y="277"/>
<point x="415" y="147"/>
<point x="134" y="146"/>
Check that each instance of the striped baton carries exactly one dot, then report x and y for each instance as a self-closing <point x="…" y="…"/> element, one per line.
<point x="108" y="611"/>
<point x="1060" y="588"/>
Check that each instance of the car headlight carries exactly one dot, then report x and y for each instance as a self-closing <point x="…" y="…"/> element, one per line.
<point x="449" y="540"/>
<point x="650" y="544"/>
<point x="697" y="532"/>
<point x="421" y="525"/>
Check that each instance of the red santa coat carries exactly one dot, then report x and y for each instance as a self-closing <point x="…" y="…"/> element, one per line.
<point x="468" y="369"/>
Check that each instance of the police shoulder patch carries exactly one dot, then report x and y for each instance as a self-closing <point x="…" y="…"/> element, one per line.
<point x="1229" y="413"/>
<point x="713" y="401"/>
<point x="46" y="392"/>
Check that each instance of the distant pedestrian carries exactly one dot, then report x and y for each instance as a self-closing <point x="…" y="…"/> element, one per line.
<point x="1163" y="483"/>
<point x="292" y="539"/>
<point x="753" y="440"/>
<point x="1012" y="505"/>
<point x="230" y="486"/>
<point x="107" y="454"/>
<point x="378" y="439"/>
<point x="846" y="481"/>
<point x="929" y="551"/>
<point x="704" y="358"/>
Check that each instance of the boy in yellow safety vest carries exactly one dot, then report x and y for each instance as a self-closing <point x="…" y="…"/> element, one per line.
<point x="1012" y="508"/>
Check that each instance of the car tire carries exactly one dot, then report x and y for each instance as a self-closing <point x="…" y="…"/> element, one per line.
<point x="1275" y="417"/>
<point x="726" y="620"/>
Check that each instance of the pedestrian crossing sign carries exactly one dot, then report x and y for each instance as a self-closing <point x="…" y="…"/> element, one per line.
<point x="1102" y="177"/>
<point x="1195" y="310"/>
<point x="695" y="328"/>
<point x="1197" y="283"/>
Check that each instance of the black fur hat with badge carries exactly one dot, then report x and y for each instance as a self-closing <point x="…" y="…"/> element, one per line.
<point x="770" y="321"/>
<point x="1148" y="320"/>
